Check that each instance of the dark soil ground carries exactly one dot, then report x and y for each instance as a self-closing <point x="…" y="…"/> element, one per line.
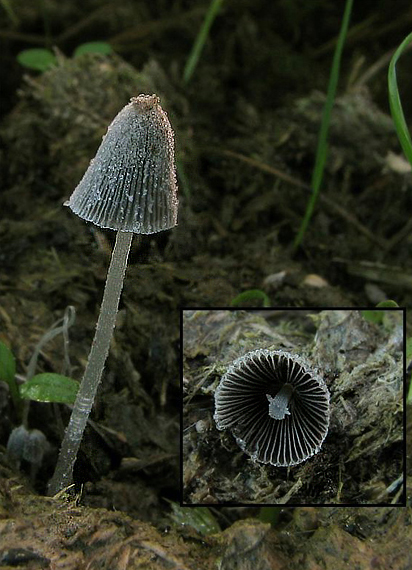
<point x="246" y="129"/>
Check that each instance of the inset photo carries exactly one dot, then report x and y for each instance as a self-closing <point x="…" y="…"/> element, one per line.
<point x="293" y="406"/>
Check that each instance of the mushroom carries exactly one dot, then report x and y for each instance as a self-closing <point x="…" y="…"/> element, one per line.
<point x="130" y="186"/>
<point x="276" y="406"/>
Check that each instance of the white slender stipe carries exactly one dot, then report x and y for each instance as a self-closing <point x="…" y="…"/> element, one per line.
<point x="278" y="406"/>
<point x="63" y="475"/>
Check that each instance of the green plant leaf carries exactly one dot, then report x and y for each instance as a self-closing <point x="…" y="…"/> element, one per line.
<point x="377" y="316"/>
<point x="373" y="316"/>
<point x="199" y="518"/>
<point x="50" y="387"/>
<point x="39" y="59"/>
<point x="251" y="295"/>
<point x="93" y="47"/>
<point x="7" y="364"/>
<point x="8" y="375"/>
<point x="388" y="303"/>
<point x="408" y="349"/>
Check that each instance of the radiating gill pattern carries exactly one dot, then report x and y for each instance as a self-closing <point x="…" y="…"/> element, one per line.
<point x="276" y="406"/>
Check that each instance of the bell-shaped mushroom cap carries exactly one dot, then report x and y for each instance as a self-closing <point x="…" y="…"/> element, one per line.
<point x="130" y="185"/>
<point x="275" y="406"/>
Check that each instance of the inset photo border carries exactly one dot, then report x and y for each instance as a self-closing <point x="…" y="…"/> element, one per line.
<point x="296" y="406"/>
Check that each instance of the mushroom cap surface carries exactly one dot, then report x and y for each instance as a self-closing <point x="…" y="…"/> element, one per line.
<point x="276" y="406"/>
<point x="130" y="185"/>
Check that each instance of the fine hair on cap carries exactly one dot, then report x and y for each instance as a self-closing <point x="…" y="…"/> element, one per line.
<point x="130" y="185"/>
<point x="276" y="406"/>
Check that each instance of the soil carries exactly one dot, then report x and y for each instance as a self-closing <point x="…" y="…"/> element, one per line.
<point x="246" y="128"/>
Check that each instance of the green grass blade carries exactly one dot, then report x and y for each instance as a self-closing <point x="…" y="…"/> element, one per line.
<point x="395" y="101"/>
<point x="10" y="12"/>
<point x="322" y="148"/>
<point x="404" y="138"/>
<point x="194" y="56"/>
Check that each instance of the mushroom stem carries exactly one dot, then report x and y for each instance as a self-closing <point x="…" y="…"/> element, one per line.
<point x="278" y="406"/>
<point x="63" y="475"/>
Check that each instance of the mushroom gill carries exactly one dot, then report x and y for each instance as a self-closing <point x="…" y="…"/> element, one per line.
<point x="276" y="406"/>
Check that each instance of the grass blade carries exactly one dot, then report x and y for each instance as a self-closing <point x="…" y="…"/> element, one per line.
<point x="322" y="148"/>
<point x="194" y="56"/>
<point x="395" y="101"/>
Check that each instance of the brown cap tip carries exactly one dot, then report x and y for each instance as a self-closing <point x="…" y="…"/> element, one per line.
<point x="130" y="185"/>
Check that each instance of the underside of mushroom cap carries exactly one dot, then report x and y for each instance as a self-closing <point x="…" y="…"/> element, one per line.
<point x="130" y="185"/>
<point x="276" y="406"/>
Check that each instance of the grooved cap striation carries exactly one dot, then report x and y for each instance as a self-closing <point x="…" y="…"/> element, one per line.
<point x="130" y="185"/>
<point x="276" y="406"/>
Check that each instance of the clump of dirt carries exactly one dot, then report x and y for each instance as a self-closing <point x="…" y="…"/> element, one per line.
<point x="43" y="532"/>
